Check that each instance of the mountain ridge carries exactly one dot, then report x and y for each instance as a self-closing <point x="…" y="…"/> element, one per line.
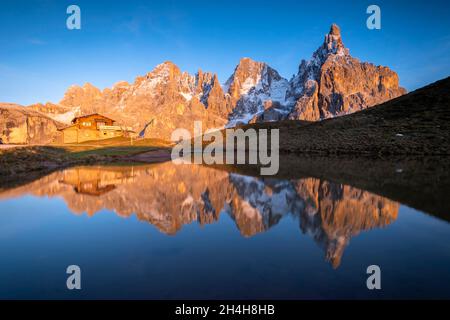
<point x="413" y="124"/>
<point x="330" y="84"/>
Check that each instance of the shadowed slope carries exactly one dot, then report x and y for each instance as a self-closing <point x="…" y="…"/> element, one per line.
<point x="417" y="123"/>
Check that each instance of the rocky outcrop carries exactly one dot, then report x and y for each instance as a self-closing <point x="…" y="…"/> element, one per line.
<point x="20" y="125"/>
<point x="333" y="83"/>
<point x="87" y="98"/>
<point x="57" y="112"/>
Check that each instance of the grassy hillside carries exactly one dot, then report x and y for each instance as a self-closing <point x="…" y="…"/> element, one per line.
<point x="417" y="124"/>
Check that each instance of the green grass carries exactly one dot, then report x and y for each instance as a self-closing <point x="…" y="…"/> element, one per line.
<point x="113" y="142"/>
<point x="27" y="162"/>
<point x="112" y="151"/>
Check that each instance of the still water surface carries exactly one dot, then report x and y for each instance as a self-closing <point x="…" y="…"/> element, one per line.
<point x="186" y="232"/>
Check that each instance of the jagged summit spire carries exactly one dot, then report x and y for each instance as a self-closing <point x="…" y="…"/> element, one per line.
<point x="335" y="30"/>
<point x="247" y="62"/>
<point x="246" y="59"/>
<point x="333" y="42"/>
<point x="333" y="83"/>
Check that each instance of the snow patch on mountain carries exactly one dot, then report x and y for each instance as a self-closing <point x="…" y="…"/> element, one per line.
<point x="187" y="96"/>
<point x="261" y="89"/>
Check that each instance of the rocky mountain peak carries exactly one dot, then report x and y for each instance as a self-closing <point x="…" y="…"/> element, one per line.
<point x="335" y="30"/>
<point x="333" y="42"/>
<point x="332" y="45"/>
<point x="165" y="67"/>
<point x="89" y="86"/>
<point x="166" y="70"/>
<point x="256" y="89"/>
<point x="246" y="75"/>
<point x="333" y="83"/>
<point x="205" y="84"/>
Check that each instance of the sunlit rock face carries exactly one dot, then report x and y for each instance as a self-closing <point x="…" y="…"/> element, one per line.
<point x="155" y="104"/>
<point x="170" y="196"/>
<point x="19" y="125"/>
<point x="333" y="83"/>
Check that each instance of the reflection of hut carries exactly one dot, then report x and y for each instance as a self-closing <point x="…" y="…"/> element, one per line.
<point x="88" y="181"/>
<point x="93" y="187"/>
<point x="93" y="127"/>
<point x="92" y="181"/>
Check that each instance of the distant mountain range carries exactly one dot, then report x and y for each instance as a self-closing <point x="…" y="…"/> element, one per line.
<point x="332" y="83"/>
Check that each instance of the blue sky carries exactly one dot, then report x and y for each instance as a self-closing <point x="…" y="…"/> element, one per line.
<point x="119" y="40"/>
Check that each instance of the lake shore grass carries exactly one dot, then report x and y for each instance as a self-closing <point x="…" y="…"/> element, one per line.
<point x="26" y="163"/>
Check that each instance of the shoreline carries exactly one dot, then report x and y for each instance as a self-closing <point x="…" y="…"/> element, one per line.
<point x="419" y="182"/>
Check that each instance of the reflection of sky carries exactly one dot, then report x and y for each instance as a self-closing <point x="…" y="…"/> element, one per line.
<point x="131" y="259"/>
<point x="120" y="40"/>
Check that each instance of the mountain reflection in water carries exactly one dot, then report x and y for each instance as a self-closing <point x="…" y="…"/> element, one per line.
<point x="169" y="197"/>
